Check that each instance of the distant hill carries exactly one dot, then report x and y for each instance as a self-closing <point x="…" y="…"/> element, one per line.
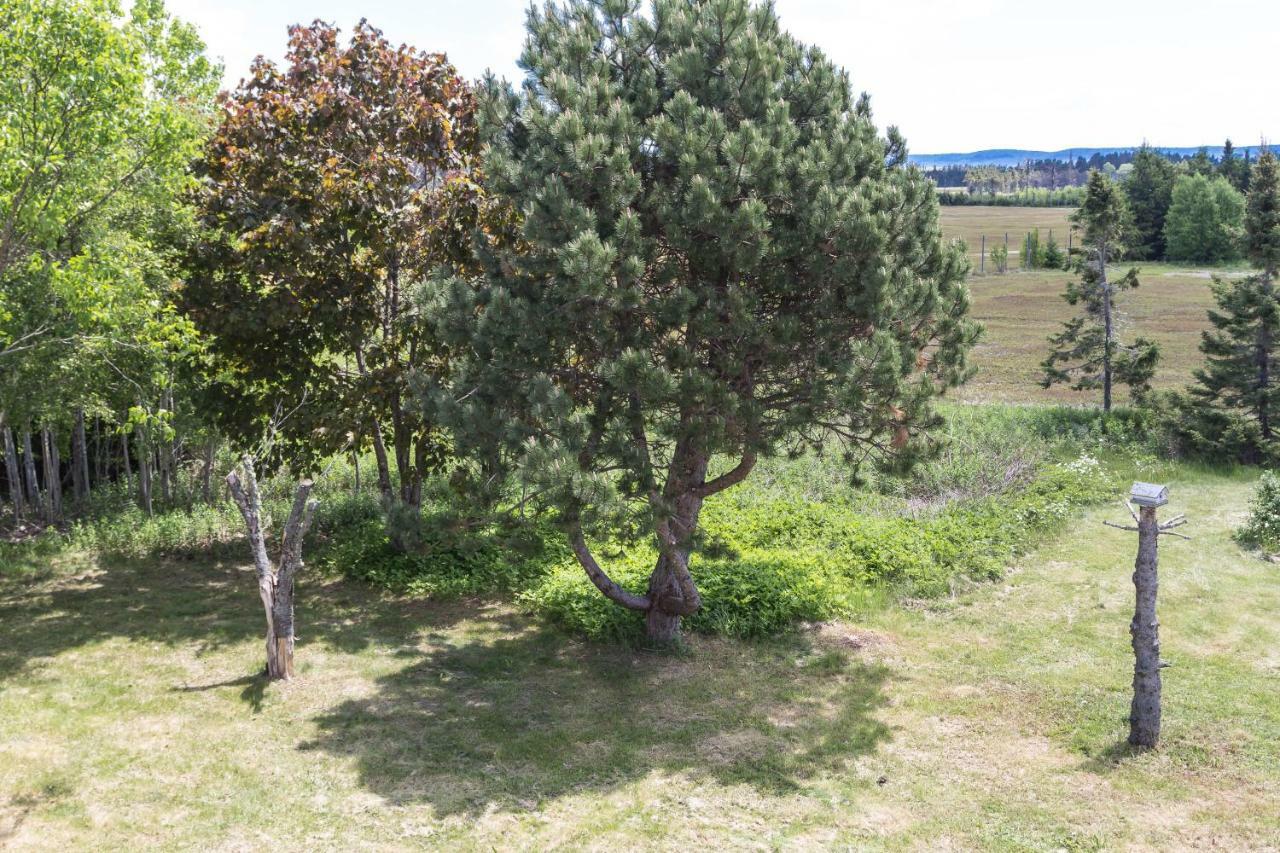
<point x="1014" y="156"/>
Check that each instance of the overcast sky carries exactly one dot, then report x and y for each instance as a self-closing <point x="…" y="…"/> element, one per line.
<point x="954" y="76"/>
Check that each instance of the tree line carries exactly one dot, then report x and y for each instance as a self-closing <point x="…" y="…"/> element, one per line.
<point x="1230" y="412"/>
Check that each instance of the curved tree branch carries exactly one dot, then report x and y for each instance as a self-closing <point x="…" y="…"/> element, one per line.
<point x="727" y="479"/>
<point x="603" y="582"/>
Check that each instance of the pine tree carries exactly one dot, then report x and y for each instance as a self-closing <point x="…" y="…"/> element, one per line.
<point x="1233" y="168"/>
<point x="721" y="259"/>
<point x="1086" y="350"/>
<point x="1240" y="349"/>
<point x="1149" y="192"/>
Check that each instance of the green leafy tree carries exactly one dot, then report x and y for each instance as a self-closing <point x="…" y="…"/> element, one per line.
<point x="332" y="187"/>
<point x="1204" y="220"/>
<point x="100" y="115"/>
<point x="1087" y="352"/>
<point x="722" y="260"/>
<point x="1149" y="192"/>
<point x="1241" y="348"/>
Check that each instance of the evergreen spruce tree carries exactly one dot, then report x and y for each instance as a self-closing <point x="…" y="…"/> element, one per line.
<point x="1235" y="169"/>
<point x="1149" y="192"/>
<point x="721" y="259"/>
<point x="1087" y="351"/>
<point x="1240" y="350"/>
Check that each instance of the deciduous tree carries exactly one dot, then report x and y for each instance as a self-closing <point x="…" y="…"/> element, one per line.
<point x="332" y="186"/>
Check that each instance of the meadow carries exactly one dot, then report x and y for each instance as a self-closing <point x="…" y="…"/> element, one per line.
<point x="1021" y="308"/>
<point x="133" y="713"/>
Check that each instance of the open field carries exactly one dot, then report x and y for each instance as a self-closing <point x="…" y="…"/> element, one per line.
<point x="1021" y="309"/>
<point x="971" y="223"/>
<point x="131" y="716"/>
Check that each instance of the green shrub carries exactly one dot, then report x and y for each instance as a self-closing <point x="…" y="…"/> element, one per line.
<point x="445" y="562"/>
<point x="777" y="562"/>
<point x="1262" y="528"/>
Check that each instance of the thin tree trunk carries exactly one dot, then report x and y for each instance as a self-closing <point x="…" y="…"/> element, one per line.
<point x="144" y="471"/>
<point x="80" y="458"/>
<point x="52" y="476"/>
<point x="11" y="473"/>
<point x="384" y="466"/>
<point x="1108" y="331"/>
<point x="99" y="452"/>
<point x="206" y="473"/>
<point x="1264" y="364"/>
<point x="355" y="465"/>
<point x="128" y="466"/>
<point x="1144" y="713"/>
<point x="29" y="464"/>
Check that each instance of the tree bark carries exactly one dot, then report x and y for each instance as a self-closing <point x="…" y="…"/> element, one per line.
<point x="1144" y="713"/>
<point x="128" y="465"/>
<point x="275" y="583"/>
<point x="29" y="465"/>
<point x="206" y="473"/>
<point x="79" y="458"/>
<point x="1108" y="332"/>
<point x="52" y="476"/>
<point x="144" y="471"/>
<point x="11" y="472"/>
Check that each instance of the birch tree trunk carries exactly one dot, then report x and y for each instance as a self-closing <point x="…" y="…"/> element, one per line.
<point x="1144" y="713"/>
<point x="11" y="472"/>
<point x="275" y="582"/>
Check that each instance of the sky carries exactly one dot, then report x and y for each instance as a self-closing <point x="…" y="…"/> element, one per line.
<point x="953" y="76"/>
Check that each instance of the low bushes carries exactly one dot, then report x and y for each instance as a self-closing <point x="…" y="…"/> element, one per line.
<point x="777" y="562"/>
<point x="1262" y="528"/>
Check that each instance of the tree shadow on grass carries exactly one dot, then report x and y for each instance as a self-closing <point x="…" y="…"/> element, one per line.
<point x="509" y="721"/>
<point x="202" y="605"/>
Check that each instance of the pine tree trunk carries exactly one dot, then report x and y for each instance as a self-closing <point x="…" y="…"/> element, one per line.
<point x="1144" y="713"/>
<point x="672" y="593"/>
<point x="11" y="472"/>
<point x="1264" y="365"/>
<point x="1109" y="333"/>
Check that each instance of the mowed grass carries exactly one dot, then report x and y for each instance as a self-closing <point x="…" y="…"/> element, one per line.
<point x="1021" y="309"/>
<point x="131" y="715"/>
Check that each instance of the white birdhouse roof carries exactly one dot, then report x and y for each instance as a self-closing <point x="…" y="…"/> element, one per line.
<point x="1149" y="494"/>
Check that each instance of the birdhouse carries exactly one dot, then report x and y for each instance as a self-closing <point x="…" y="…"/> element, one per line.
<point x="1149" y="494"/>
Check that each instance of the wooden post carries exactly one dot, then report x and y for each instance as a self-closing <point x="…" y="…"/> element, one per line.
<point x="1145" y="708"/>
<point x="982" y="262"/>
<point x="1144" y="711"/>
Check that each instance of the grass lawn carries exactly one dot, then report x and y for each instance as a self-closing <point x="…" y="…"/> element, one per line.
<point x="1022" y="308"/>
<point x="131" y="715"/>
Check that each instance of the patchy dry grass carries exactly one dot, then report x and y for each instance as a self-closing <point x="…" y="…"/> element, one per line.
<point x="1022" y="308"/>
<point x="131" y="715"/>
